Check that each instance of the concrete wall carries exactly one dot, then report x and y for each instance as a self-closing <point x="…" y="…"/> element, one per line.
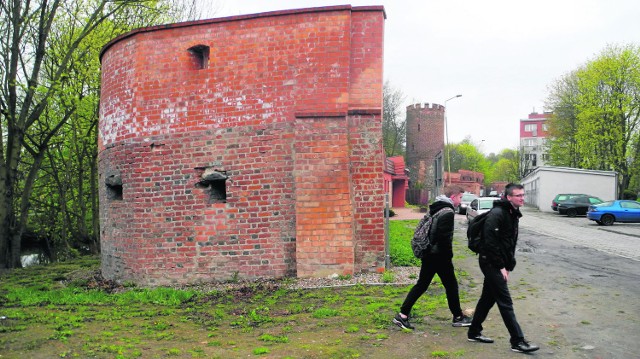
<point x="544" y="183"/>
<point x="263" y="160"/>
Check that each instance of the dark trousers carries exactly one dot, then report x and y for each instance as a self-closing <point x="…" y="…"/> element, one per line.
<point x="443" y="267"/>
<point x="495" y="290"/>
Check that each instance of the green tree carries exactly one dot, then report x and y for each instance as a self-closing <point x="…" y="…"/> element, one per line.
<point x="562" y="143"/>
<point x="393" y="121"/>
<point x="598" y="111"/>
<point x="506" y="168"/>
<point x="465" y="155"/>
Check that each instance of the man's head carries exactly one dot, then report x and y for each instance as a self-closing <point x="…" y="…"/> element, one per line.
<point x="454" y="193"/>
<point x="514" y="193"/>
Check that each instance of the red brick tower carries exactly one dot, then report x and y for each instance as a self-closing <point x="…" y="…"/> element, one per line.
<point x="246" y="146"/>
<point x="425" y="146"/>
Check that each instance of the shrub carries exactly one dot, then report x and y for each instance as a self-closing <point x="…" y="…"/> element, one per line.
<point x="629" y="194"/>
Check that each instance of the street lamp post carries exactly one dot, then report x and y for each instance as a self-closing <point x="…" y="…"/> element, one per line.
<point x="446" y="127"/>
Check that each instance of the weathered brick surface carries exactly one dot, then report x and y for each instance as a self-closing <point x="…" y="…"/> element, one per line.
<point x="288" y="108"/>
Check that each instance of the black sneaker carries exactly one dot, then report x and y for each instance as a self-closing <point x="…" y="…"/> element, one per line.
<point x="524" y="347"/>
<point x="402" y="322"/>
<point x="461" y="321"/>
<point x="479" y="338"/>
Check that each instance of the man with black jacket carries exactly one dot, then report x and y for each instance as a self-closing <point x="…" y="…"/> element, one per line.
<point x="497" y="259"/>
<point x="438" y="260"/>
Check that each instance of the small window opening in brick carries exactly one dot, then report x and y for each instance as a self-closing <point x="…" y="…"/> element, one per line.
<point x="418" y="127"/>
<point x="200" y="54"/>
<point x="214" y="183"/>
<point x="114" y="187"/>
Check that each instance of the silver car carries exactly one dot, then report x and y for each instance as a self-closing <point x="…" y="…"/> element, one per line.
<point x="479" y="206"/>
<point x="464" y="203"/>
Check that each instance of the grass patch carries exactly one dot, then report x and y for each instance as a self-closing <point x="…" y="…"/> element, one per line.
<point x="400" y="234"/>
<point x="64" y="310"/>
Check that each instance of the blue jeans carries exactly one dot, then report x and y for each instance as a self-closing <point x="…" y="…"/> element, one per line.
<point x="495" y="290"/>
<point x="443" y="267"/>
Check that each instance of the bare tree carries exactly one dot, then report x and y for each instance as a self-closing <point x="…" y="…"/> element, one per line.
<point x="394" y="123"/>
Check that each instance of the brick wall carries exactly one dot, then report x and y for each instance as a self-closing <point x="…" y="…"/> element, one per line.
<point x="265" y="162"/>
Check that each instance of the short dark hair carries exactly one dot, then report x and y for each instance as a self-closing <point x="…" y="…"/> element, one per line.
<point x="508" y="189"/>
<point x="452" y="189"/>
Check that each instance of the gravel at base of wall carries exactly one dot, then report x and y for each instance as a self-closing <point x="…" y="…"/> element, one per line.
<point x="399" y="276"/>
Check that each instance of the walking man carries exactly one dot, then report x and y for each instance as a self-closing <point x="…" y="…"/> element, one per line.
<point x="438" y="261"/>
<point x="497" y="259"/>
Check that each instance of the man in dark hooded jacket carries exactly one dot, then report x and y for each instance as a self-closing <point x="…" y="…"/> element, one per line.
<point x="438" y="261"/>
<point x="497" y="259"/>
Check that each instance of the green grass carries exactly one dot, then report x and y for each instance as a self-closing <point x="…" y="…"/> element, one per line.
<point x="61" y="310"/>
<point x="400" y="234"/>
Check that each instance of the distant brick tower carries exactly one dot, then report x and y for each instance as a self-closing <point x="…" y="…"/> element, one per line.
<point x="425" y="149"/>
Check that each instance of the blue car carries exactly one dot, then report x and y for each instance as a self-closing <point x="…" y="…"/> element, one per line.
<point x="615" y="211"/>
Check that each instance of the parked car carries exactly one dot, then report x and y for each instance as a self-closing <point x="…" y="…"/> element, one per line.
<point x="615" y="211"/>
<point x="479" y="206"/>
<point x="577" y="205"/>
<point x="564" y="197"/>
<point x="464" y="203"/>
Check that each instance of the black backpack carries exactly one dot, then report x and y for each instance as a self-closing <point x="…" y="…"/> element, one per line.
<point x="474" y="232"/>
<point x="421" y="241"/>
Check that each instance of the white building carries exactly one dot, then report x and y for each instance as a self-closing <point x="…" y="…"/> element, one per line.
<point x="543" y="183"/>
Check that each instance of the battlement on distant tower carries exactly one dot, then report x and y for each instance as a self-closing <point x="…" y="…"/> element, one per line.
<point x="425" y="106"/>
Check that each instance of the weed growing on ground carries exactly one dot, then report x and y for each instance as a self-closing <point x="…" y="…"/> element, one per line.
<point x="440" y="354"/>
<point x="273" y="338"/>
<point x="388" y="277"/>
<point x="352" y="329"/>
<point x="260" y="351"/>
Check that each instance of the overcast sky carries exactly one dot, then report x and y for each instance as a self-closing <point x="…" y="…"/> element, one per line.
<point x="500" y="55"/>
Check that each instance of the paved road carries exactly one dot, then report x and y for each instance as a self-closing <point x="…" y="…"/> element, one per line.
<point x="621" y="239"/>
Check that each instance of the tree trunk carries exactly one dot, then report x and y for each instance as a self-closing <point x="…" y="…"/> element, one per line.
<point x="95" y="240"/>
<point x="16" y="248"/>
<point x="5" y="247"/>
<point x="623" y="184"/>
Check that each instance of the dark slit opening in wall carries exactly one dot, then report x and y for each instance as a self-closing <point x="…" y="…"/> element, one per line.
<point x="201" y="55"/>
<point x="215" y="184"/>
<point x="114" y="187"/>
